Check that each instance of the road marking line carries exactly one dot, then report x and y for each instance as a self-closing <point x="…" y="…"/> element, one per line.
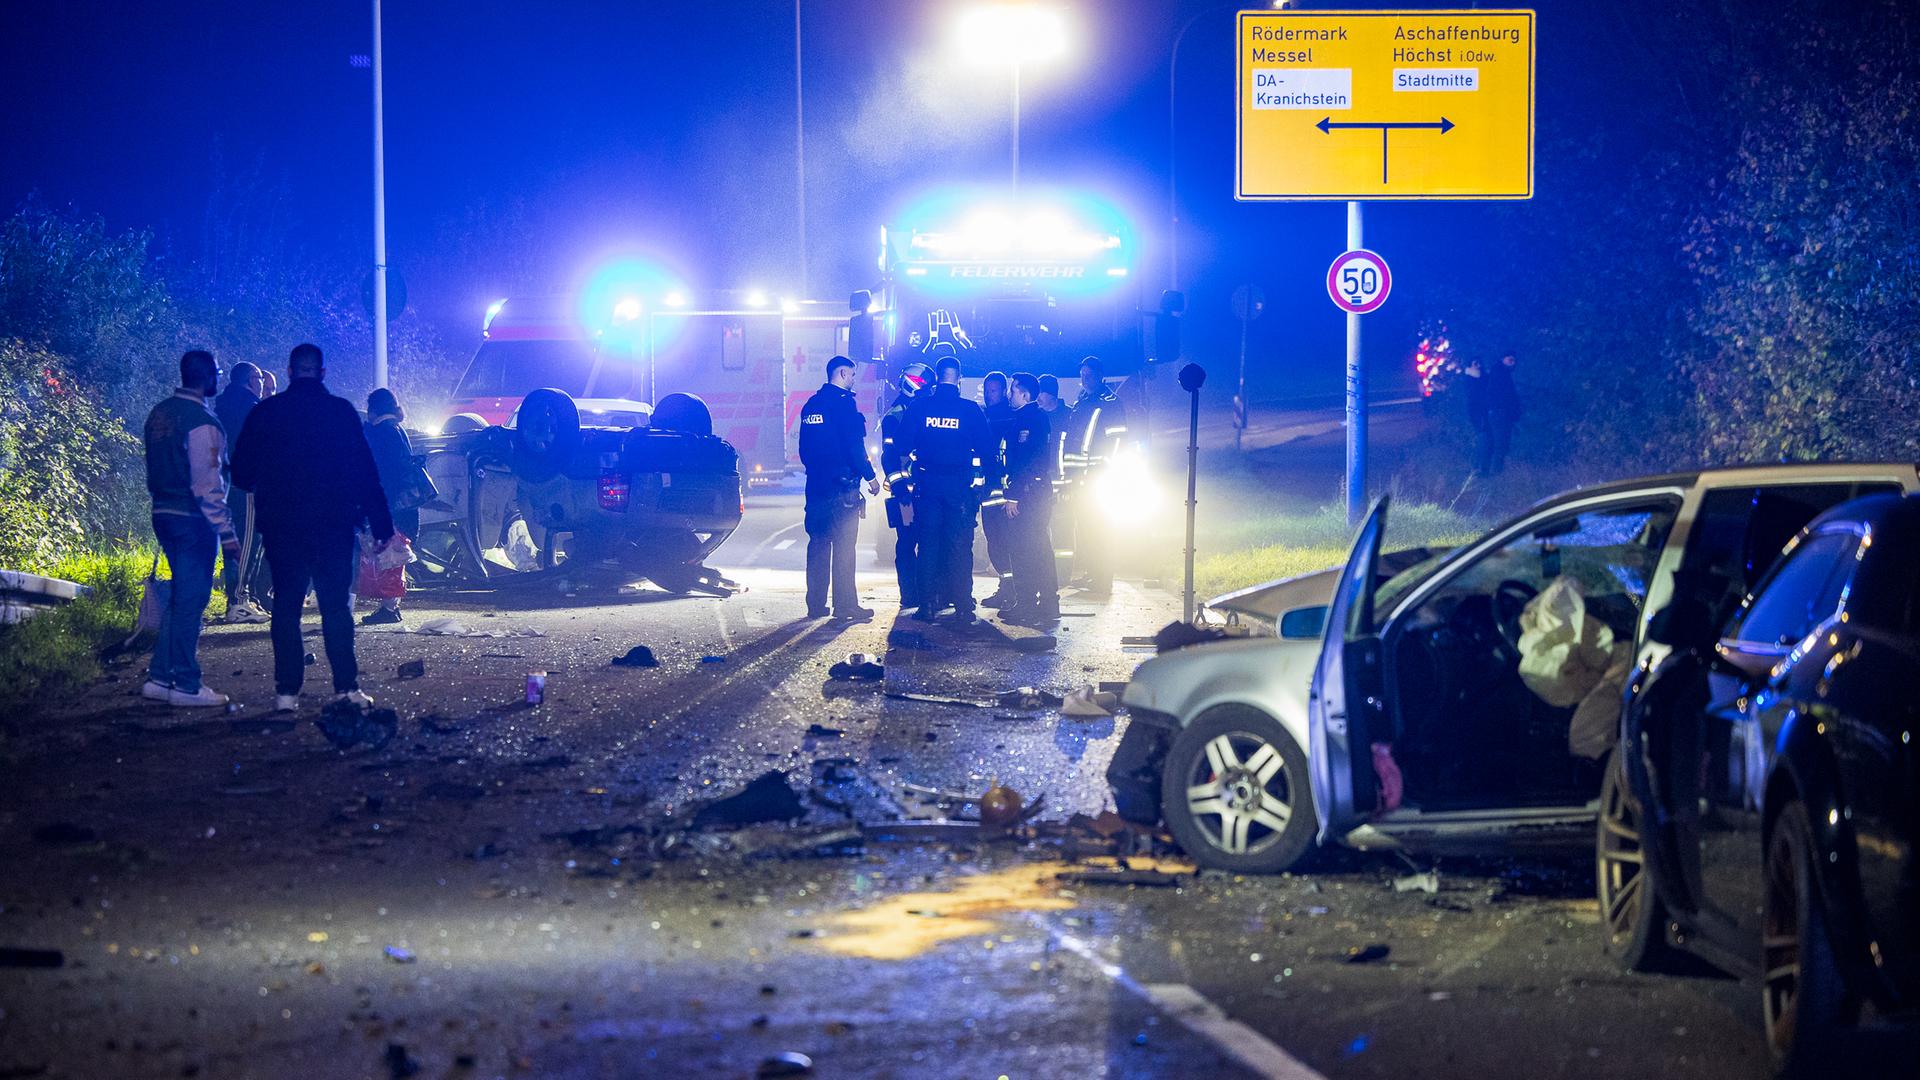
<point x="1198" y="1015"/>
<point x="784" y="544"/>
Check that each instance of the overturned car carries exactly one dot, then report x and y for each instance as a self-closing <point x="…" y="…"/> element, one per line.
<point x="548" y="498"/>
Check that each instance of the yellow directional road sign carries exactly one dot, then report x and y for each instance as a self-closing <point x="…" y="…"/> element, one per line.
<point x="1385" y="105"/>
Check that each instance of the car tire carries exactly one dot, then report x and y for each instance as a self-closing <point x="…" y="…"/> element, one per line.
<point x="1259" y="819"/>
<point x="1804" y="1001"/>
<point x="556" y="412"/>
<point x="1631" y="914"/>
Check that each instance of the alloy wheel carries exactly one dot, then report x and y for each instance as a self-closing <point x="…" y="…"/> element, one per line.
<point x="1622" y="863"/>
<point x="1239" y="793"/>
<point x="1780" y="941"/>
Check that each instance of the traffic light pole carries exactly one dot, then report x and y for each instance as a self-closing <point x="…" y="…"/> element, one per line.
<point x="1356" y="394"/>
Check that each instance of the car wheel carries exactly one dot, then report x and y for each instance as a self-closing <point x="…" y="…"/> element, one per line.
<point x="1805" y="1004"/>
<point x="1636" y="920"/>
<point x="1236" y="794"/>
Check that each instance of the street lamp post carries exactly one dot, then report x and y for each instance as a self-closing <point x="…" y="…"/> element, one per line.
<point x="799" y="151"/>
<point x="1015" y="34"/>
<point x="379" y="216"/>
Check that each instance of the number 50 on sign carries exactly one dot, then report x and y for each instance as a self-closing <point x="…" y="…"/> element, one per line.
<point x="1358" y="281"/>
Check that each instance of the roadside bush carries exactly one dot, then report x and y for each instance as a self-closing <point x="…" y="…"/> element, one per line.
<point x="69" y="469"/>
<point x="59" y="651"/>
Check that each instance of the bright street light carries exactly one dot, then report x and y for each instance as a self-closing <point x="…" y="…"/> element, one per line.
<point x="1014" y="34"/>
<point x="1011" y="33"/>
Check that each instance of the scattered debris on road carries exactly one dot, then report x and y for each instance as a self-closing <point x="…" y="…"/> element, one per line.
<point x="64" y="832"/>
<point x="1026" y="697"/>
<point x="1426" y="882"/>
<point x="790" y="1063"/>
<point x="637" y="657"/>
<point x="1000" y="807"/>
<point x="1089" y="702"/>
<point x="347" y="725"/>
<point x="399" y="955"/>
<point x="859" y="667"/>
<point x="412" y="669"/>
<point x="32" y="958"/>
<point x="1367" y="954"/>
<point x="767" y="798"/>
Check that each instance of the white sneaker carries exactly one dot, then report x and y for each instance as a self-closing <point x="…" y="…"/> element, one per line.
<point x="286" y="703"/>
<point x="359" y="699"/>
<point x="245" y="612"/>
<point x="155" y="691"/>
<point x="206" y="698"/>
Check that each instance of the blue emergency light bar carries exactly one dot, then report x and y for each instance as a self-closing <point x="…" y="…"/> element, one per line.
<point x="953" y="244"/>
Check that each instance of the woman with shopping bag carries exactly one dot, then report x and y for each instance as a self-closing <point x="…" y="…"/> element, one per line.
<point x="383" y="573"/>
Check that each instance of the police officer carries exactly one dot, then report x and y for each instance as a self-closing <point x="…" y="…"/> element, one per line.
<point x="1035" y="588"/>
<point x="993" y="513"/>
<point x="947" y="437"/>
<point x="898" y="467"/>
<point x="1095" y="431"/>
<point x="833" y="449"/>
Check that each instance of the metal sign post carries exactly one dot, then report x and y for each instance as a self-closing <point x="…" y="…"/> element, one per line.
<point x="1358" y="282"/>
<point x="1356" y="394"/>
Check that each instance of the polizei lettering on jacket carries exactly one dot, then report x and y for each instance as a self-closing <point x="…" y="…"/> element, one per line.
<point x="814" y="418"/>
<point x="951" y="423"/>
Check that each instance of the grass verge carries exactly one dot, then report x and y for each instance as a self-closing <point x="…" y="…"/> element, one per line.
<point x="1265" y="547"/>
<point x="59" y="650"/>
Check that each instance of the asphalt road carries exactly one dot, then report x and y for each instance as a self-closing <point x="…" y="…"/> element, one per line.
<point x="514" y="890"/>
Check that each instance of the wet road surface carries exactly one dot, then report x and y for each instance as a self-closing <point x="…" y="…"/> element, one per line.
<point x="510" y="890"/>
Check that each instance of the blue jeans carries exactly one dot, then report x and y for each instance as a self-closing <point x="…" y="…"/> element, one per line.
<point x="190" y="546"/>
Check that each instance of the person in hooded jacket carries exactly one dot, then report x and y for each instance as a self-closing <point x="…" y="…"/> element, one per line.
<point x="393" y="460"/>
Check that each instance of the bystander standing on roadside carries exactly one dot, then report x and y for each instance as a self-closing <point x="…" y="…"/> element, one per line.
<point x="186" y="458"/>
<point x="304" y="456"/>
<point x="1493" y="405"/>
<point x="246" y="385"/>
<point x="393" y="460"/>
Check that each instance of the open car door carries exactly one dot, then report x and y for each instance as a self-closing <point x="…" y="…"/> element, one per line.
<point x="1344" y="682"/>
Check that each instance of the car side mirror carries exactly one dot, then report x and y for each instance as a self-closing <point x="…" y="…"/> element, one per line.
<point x="1745" y="659"/>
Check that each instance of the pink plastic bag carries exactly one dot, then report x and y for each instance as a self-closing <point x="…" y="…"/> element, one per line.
<point x="378" y="582"/>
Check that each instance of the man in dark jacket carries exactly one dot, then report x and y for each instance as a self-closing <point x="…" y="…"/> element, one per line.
<point x="306" y="460"/>
<point x="246" y="385"/>
<point x="393" y="460"/>
<point x="186" y="452"/>
<point x="948" y="439"/>
<point x="898" y="468"/>
<point x="1493" y="404"/>
<point x="1035" y="588"/>
<point x="833" y="450"/>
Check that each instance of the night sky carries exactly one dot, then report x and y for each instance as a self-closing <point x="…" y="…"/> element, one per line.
<point x="526" y="142"/>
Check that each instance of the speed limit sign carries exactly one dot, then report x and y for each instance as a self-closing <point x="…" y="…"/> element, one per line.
<point x="1359" y="281"/>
